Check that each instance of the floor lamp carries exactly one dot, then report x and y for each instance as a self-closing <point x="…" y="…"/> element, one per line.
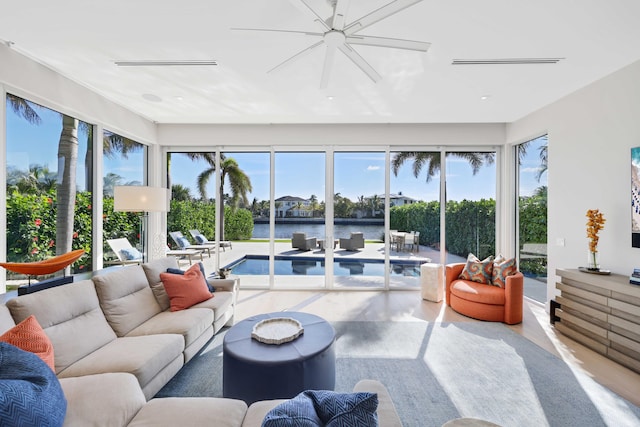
<point x="131" y="198"/>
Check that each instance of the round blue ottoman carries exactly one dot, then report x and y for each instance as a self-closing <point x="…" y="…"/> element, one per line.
<point x="253" y="371"/>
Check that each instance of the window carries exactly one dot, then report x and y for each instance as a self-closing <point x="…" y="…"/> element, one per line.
<point x="49" y="189"/>
<point x="123" y="164"/>
<point x="532" y="216"/>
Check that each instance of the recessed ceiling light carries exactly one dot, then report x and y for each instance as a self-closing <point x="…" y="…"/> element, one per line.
<point x="485" y="97"/>
<point x="330" y="98"/>
<point x="151" y="97"/>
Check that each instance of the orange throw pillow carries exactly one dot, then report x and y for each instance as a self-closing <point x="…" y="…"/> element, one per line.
<point x="185" y="290"/>
<point x="29" y="336"/>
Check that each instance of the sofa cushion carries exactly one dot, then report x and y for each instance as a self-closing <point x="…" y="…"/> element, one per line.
<point x="29" y="336"/>
<point x="220" y="304"/>
<point x="478" y="292"/>
<point x="502" y="269"/>
<point x="6" y="321"/>
<point x="191" y="412"/>
<point x="152" y="270"/>
<point x="478" y="271"/>
<point x="30" y="393"/>
<point x="126" y="298"/>
<point x="109" y="400"/>
<point x="191" y="324"/>
<point x="186" y="290"/>
<point x="67" y="311"/>
<point x="143" y="357"/>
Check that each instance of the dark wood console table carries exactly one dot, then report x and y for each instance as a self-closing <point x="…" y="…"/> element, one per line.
<point x="601" y="312"/>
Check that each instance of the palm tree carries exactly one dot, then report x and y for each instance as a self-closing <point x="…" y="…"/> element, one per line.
<point x="314" y="204"/>
<point x="66" y="188"/>
<point x="432" y="161"/>
<point x="543" y="162"/>
<point x="239" y="182"/>
<point x="39" y="179"/>
<point x="180" y="192"/>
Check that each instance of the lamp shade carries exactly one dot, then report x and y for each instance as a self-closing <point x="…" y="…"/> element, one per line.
<point x="131" y="198"/>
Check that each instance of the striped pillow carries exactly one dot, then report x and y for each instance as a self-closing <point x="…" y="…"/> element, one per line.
<point x="478" y="271"/>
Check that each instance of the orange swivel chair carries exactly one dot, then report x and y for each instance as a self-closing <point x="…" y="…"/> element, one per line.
<point x="485" y="302"/>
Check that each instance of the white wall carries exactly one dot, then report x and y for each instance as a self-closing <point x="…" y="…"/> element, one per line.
<point x="30" y="80"/>
<point x="314" y="135"/>
<point x="591" y="133"/>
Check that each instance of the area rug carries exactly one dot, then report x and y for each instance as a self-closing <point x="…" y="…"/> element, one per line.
<point x="436" y="372"/>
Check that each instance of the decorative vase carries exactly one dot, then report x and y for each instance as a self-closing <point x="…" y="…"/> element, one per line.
<point x="593" y="263"/>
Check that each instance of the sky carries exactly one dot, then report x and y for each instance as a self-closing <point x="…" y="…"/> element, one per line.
<point x="297" y="174"/>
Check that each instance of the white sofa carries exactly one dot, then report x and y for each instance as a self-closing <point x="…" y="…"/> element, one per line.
<point x="116" y="344"/>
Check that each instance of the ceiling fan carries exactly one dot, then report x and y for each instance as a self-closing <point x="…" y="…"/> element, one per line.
<point x="339" y="34"/>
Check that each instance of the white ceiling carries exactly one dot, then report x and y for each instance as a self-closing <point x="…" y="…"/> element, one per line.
<point x="82" y="39"/>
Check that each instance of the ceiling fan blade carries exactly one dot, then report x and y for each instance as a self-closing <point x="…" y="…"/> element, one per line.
<point x="306" y="33"/>
<point x="328" y="66"/>
<point x="312" y="13"/>
<point x="360" y="62"/>
<point x="388" y="42"/>
<point x="378" y="15"/>
<point x="339" y="12"/>
<point x="296" y="56"/>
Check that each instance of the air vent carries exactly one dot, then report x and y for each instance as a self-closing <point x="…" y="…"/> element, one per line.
<point x="164" y="63"/>
<point x="506" y="61"/>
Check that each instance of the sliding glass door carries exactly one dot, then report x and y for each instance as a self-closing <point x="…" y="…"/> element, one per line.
<point x="532" y="216"/>
<point x="358" y="219"/>
<point x="470" y="211"/>
<point x="414" y="216"/>
<point x="299" y="219"/>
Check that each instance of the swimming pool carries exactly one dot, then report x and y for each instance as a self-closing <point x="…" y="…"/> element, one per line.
<point x="309" y="266"/>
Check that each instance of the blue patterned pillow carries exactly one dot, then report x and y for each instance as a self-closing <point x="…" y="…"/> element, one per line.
<point x="130" y="254"/>
<point x="345" y="409"/>
<point x="178" y="271"/>
<point x="296" y="412"/>
<point x="200" y="239"/>
<point x="30" y="393"/>
<point x="183" y="242"/>
<point x="325" y="408"/>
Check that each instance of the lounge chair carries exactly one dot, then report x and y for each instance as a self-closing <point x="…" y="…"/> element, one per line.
<point x="127" y="254"/>
<point x="124" y="252"/>
<point x="302" y="242"/>
<point x="183" y="243"/>
<point x="353" y="243"/>
<point x="202" y="240"/>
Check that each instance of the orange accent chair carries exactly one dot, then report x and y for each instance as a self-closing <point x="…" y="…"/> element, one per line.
<point x="485" y="302"/>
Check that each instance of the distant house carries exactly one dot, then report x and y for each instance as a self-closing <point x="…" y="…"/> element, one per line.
<point x="399" y="200"/>
<point x="292" y="206"/>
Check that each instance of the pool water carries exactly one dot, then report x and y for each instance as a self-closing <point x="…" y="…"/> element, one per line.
<point x="291" y="266"/>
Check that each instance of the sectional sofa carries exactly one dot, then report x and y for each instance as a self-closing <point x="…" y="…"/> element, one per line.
<point x="116" y="344"/>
